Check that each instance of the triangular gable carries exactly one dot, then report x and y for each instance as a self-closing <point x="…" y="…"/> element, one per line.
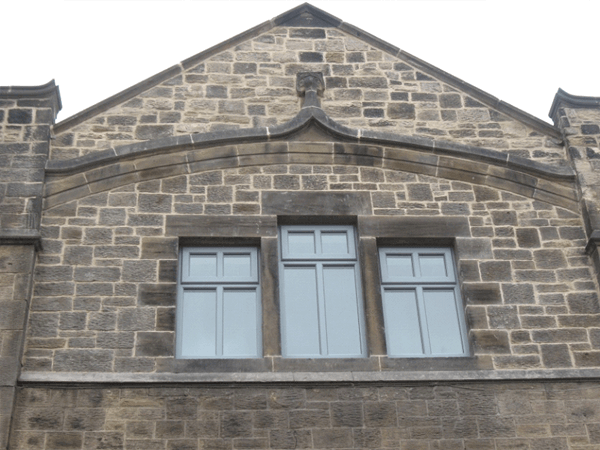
<point x="307" y="17"/>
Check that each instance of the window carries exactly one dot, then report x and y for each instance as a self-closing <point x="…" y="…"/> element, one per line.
<point x="422" y="308"/>
<point x="321" y="306"/>
<point x="218" y="311"/>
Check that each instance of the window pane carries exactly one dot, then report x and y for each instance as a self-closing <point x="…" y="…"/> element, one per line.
<point x="342" y="312"/>
<point x="433" y="266"/>
<point x="301" y="312"/>
<point x="442" y="321"/>
<point x="399" y="265"/>
<point x="402" y="326"/>
<point x="334" y="243"/>
<point x="240" y="323"/>
<point x="237" y="265"/>
<point x="301" y="243"/>
<point x="203" y="266"/>
<point x="198" y="329"/>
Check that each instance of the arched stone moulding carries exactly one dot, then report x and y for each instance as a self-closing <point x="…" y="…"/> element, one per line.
<point x="311" y="137"/>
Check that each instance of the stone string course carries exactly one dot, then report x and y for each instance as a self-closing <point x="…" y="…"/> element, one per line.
<point x="104" y="297"/>
<point x="495" y="416"/>
<point x="253" y="84"/>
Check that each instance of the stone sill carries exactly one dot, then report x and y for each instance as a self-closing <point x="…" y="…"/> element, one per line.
<point x="308" y="377"/>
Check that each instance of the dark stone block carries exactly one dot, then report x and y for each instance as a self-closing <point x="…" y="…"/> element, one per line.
<point x="401" y="111"/>
<point x="549" y="259"/>
<point x="504" y="317"/>
<point x="146" y="132"/>
<point x="20" y="116"/>
<point x="450" y="100"/>
<point x="414" y="227"/>
<point x="355" y="57"/>
<point x="236" y="424"/>
<point x="307" y="33"/>
<point x="373" y="112"/>
<point x="583" y="303"/>
<point x="495" y="271"/>
<point x="402" y="67"/>
<point x="64" y="440"/>
<point x="528" y="238"/>
<point x="518" y="293"/>
<point x="590" y="129"/>
<point x="504" y="217"/>
<point x="423" y="97"/>
<point x="83" y="360"/>
<point x="556" y="355"/>
<point x="216" y="91"/>
<point x="157" y="294"/>
<point x="482" y="293"/>
<point x="167" y="271"/>
<point x="159" y="248"/>
<point x="474" y="248"/>
<point x="347" y="414"/>
<point x="491" y="341"/>
<point x="155" y="344"/>
<point x="311" y="57"/>
<point x="368" y="82"/>
<point x="290" y="439"/>
<point x="244" y="68"/>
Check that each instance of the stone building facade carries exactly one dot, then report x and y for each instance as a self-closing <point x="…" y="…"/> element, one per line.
<point x="303" y="120"/>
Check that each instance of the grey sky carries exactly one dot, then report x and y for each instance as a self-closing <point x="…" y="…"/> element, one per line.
<point x="519" y="51"/>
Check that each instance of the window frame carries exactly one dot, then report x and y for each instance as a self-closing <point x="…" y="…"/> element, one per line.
<point x="418" y="284"/>
<point x="322" y="262"/>
<point x="219" y="284"/>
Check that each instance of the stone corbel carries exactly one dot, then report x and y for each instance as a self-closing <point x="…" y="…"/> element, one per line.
<point x="310" y="85"/>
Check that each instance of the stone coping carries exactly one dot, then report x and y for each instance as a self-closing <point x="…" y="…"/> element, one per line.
<point x="23" y="236"/>
<point x="563" y="98"/>
<point x="99" y="378"/>
<point x="49" y="89"/>
<point x="294" y="17"/>
<point x="303" y="119"/>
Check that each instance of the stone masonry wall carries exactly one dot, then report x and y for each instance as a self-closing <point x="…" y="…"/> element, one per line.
<point x="474" y="416"/>
<point x="253" y="84"/>
<point x="26" y="115"/>
<point x="104" y="295"/>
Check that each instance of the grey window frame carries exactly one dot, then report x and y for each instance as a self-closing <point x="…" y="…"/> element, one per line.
<point x="219" y="284"/>
<point x="321" y="261"/>
<point x="419" y="284"/>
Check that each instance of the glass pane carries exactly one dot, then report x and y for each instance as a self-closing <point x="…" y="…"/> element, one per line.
<point x="203" y="266"/>
<point x="341" y="312"/>
<point x="240" y="323"/>
<point x="301" y="312"/>
<point x="399" y="265"/>
<point x="433" y="266"/>
<point x="199" y="323"/>
<point x="402" y="328"/>
<point x="301" y="243"/>
<point x="334" y="243"/>
<point x="237" y="265"/>
<point x="442" y="322"/>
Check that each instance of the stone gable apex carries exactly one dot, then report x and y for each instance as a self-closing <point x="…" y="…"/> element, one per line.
<point x="306" y="15"/>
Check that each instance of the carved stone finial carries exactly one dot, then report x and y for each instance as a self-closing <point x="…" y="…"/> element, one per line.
<point x="310" y="85"/>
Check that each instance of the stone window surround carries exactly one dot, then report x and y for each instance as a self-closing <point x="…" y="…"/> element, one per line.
<point x="284" y="208"/>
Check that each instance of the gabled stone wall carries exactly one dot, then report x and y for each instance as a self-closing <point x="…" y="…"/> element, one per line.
<point x="252" y="84"/>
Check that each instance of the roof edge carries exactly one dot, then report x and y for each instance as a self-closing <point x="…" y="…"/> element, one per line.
<point x="49" y="89"/>
<point x="484" y="97"/>
<point x="563" y="98"/>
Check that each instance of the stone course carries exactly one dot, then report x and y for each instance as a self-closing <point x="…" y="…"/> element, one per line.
<point x="474" y="416"/>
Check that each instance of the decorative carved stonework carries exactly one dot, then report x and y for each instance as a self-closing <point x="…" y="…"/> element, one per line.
<point x="310" y="85"/>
